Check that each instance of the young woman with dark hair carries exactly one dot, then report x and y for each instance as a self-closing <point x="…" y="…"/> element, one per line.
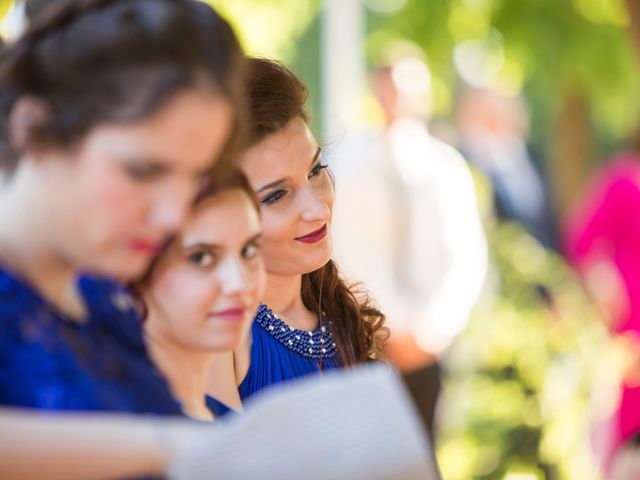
<point x="309" y="319"/>
<point x="112" y="114"/>
<point x="99" y="167"/>
<point x="201" y="293"/>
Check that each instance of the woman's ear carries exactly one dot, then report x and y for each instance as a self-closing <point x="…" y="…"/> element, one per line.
<point x="27" y="116"/>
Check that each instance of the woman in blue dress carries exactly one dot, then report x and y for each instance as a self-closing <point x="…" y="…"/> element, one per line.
<point x="310" y="319"/>
<point x="201" y="294"/>
<point x="97" y="169"/>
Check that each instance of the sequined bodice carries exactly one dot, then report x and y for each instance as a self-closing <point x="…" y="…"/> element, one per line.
<point x="317" y="344"/>
<point x="281" y="353"/>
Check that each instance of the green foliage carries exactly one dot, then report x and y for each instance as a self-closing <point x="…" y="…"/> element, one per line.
<point x="547" y="47"/>
<point x="269" y="27"/>
<point x="520" y="377"/>
<point x="287" y="30"/>
<point x="5" y="5"/>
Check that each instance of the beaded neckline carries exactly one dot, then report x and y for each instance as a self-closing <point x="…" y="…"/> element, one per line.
<point x="317" y="344"/>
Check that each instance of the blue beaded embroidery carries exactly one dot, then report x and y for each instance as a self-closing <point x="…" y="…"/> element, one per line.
<point x="317" y="344"/>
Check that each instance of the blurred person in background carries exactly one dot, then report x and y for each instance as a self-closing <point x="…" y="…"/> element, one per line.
<point x="407" y="224"/>
<point x="602" y="234"/>
<point x="492" y="131"/>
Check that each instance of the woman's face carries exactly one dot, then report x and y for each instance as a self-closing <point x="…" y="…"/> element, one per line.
<point x="125" y="188"/>
<point x="296" y="196"/>
<point x="205" y="288"/>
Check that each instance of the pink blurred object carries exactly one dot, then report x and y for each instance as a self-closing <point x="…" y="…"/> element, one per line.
<point x="605" y="228"/>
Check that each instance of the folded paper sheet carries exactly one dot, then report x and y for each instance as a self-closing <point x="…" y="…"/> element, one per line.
<point x="351" y="424"/>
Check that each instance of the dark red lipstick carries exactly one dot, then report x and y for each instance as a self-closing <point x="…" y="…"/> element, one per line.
<point x="314" y="236"/>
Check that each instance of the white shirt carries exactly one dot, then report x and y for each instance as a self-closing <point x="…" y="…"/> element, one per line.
<point x="406" y="224"/>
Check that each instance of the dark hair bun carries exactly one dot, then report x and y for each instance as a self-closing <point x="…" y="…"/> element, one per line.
<point x="94" y="61"/>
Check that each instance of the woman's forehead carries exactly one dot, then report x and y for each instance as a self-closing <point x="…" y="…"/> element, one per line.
<point x="223" y="216"/>
<point x="282" y="152"/>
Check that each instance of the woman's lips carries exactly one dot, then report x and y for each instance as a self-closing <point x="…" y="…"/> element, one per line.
<point x="236" y="314"/>
<point x="314" y="236"/>
<point x="145" y="246"/>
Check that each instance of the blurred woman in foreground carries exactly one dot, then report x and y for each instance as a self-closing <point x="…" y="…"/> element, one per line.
<point x="114" y="112"/>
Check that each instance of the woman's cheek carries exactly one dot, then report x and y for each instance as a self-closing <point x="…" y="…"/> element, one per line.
<point x="176" y="285"/>
<point x="122" y="195"/>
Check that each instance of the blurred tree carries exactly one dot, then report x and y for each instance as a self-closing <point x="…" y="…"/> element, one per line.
<point x="573" y="60"/>
<point x="522" y="378"/>
<point x="287" y="30"/>
<point x="4" y="6"/>
<point x="284" y="29"/>
<point x="269" y="28"/>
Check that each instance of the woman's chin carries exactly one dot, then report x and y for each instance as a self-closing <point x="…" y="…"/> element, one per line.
<point x="319" y="260"/>
<point x="224" y="340"/>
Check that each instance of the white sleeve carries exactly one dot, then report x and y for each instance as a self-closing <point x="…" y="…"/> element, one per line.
<point x="448" y="308"/>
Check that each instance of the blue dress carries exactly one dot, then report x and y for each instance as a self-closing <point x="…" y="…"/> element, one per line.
<point x="216" y="407"/>
<point x="50" y="362"/>
<point x="281" y="353"/>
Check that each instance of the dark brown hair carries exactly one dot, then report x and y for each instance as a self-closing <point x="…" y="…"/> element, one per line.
<point x="223" y="178"/>
<point x="275" y="96"/>
<point x="95" y="61"/>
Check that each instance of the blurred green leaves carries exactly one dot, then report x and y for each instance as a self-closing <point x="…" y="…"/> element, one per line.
<point x="517" y="402"/>
<point x="269" y="27"/>
<point x="547" y="47"/>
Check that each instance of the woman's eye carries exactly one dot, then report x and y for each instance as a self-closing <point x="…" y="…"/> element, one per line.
<point x="251" y="251"/>
<point x="274" y="197"/>
<point x="142" y="172"/>
<point x="201" y="259"/>
<point x="315" y="171"/>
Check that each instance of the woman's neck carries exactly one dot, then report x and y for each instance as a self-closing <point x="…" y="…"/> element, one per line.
<point x="284" y="296"/>
<point x="185" y="369"/>
<point x="25" y="250"/>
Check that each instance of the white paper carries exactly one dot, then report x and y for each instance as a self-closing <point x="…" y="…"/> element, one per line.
<point x="350" y="424"/>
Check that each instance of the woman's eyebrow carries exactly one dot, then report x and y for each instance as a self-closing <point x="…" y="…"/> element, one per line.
<point x="255" y="237"/>
<point x="276" y="183"/>
<point x="317" y="154"/>
<point x="209" y="247"/>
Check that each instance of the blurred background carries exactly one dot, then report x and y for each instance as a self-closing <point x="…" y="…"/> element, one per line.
<point x="500" y="140"/>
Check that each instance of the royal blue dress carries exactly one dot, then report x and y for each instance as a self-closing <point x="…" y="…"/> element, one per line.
<point x="50" y="362"/>
<point x="216" y="407"/>
<point x="281" y="353"/>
